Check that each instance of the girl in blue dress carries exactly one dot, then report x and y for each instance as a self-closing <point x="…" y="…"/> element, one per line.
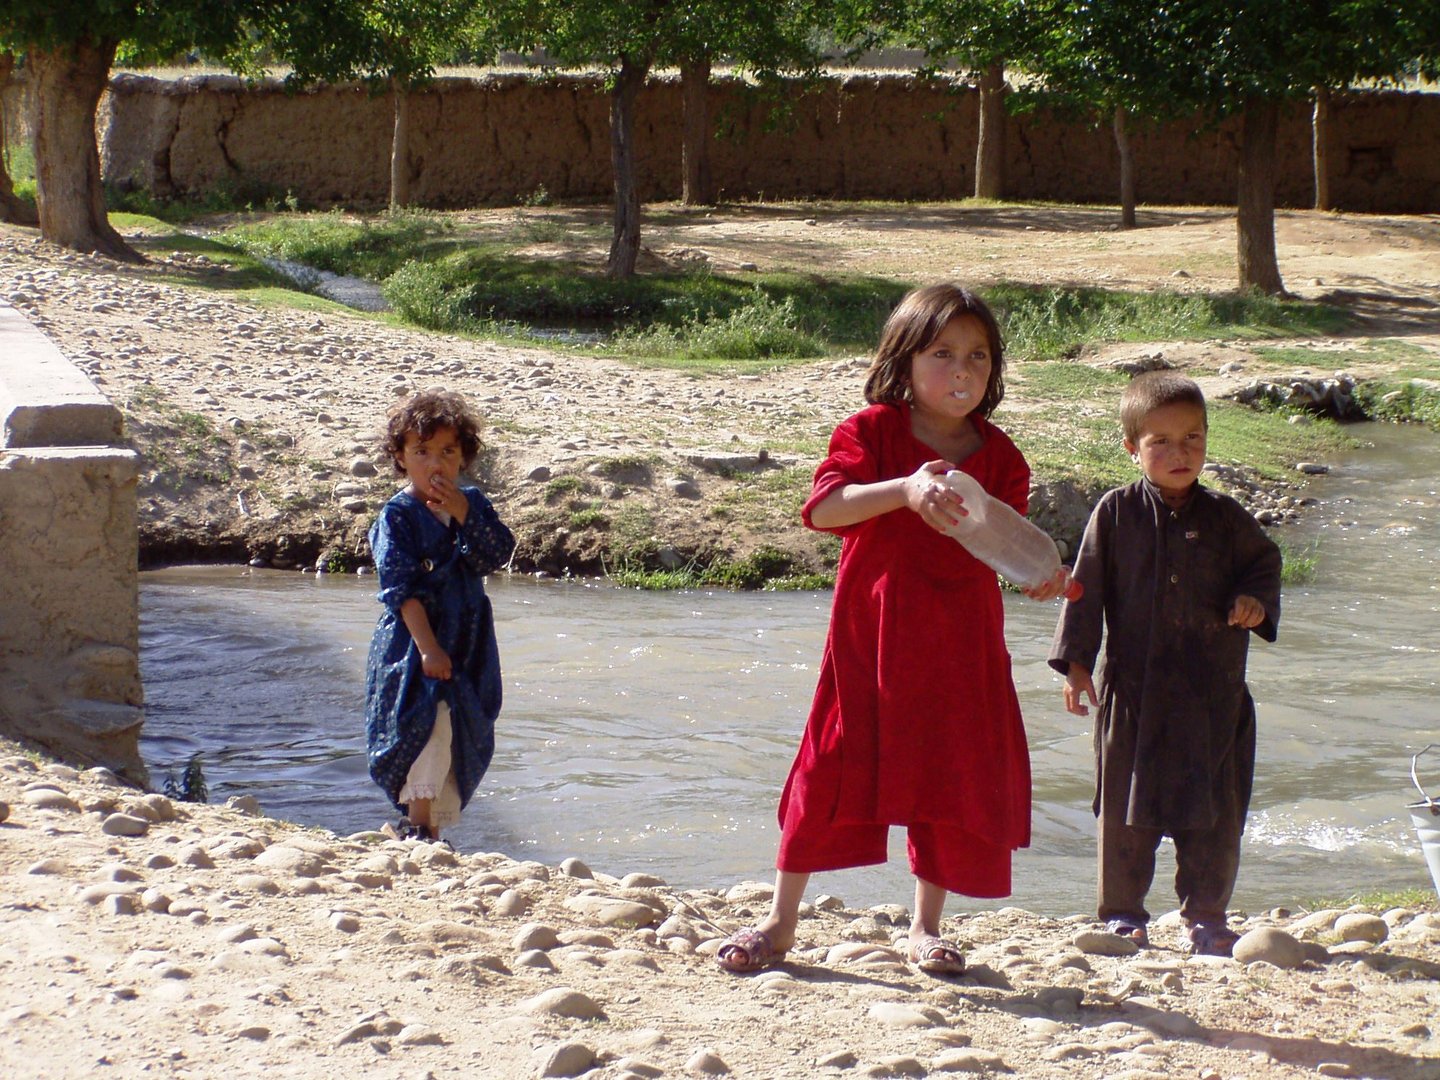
<point x="432" y="681"/>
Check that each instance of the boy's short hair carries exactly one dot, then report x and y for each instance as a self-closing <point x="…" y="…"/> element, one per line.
<point x="913" y="326"/>
<point x="426" y="412"/>
<point x="1153" y="390"/>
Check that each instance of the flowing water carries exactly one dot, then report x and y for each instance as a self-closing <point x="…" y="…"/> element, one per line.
<point x="653" y="731"/>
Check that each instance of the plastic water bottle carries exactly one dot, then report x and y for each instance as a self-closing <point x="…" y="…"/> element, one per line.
<point x="1003" y="539"/>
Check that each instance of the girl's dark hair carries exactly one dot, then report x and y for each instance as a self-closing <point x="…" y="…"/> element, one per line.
<point x="913" y="327"/>
<point x="1153" y="390"/>
<point x="426" y="412"/>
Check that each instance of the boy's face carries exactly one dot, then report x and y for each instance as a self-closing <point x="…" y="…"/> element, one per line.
<point x="432" y="461"/>
<point x="1171" y="447"/>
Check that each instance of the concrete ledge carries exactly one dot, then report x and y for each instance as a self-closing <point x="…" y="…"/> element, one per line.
<point x="45" y="400"/>
<point x="69" y="579"/>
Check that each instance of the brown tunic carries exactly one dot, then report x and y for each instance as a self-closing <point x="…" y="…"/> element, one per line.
<point x="1176" y="716"/>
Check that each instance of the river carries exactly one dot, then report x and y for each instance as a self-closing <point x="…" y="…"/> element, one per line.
<point x="653" y="731"/>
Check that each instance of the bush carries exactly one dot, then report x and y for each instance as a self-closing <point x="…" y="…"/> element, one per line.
<point x="763" y="328"/>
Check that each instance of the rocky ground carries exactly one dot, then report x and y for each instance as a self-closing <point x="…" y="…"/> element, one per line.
<point x="145" y="937"/>
<point x="257" y="425"/>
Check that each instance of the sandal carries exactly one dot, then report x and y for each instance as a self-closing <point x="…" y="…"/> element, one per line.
<point x="936" y="956"/>
<point x="747" y="950"/>
<point x="404" y="829"/>
<point x="1130" y="928"/>
<point x="1212" y="939"/>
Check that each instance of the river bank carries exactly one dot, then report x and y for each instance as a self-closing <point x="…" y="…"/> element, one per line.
<point x="257" y="423"/>
<point x="144" y="934"/>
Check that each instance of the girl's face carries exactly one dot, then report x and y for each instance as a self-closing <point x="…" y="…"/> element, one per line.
<point x="948" y="377"/>
<point x="1170" y="449"/>
<point x="432" y="461"/>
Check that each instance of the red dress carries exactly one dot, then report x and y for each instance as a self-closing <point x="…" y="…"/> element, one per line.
<point x="915" y="719"/>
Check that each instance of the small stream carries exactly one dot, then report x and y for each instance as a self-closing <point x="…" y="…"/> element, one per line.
<point x="652" y="731"/>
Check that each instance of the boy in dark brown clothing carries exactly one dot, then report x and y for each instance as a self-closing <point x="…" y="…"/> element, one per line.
<point x="1179" y="576"/>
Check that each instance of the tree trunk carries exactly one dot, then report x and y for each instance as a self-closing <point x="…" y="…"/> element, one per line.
<point x="1255" y="203"/>
<point x="699" y="189"/>
<point x="625" y="244"/>
<point x="13" y="209"/>
<point x="1127" y="170"/>
<point x="1320" y="136"/>
<point x="990" y="142"/>
<point x="66" y="84"/>
<point x="400" y="147"/>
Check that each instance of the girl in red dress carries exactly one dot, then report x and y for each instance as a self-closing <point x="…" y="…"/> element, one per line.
<point x="915" y="721"/>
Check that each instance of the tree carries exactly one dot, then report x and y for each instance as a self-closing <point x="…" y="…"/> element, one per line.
<point x="631" y="38"/>
<point x="392" y="45"/>
<point x="12" y="208"/>
<point x="69" y="46"/>
<point x="1160" y="59"/>
<point x="982" y="35"/>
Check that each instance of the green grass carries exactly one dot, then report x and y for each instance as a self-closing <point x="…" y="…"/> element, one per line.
<point x="1380" y="900"/>
<point x="1087" y="449"/>
<point x="764" y="329"/>
<point x="1298" y="564"/>
<point x="475" y="279"/>
<point x="480" y="286"/>
<point x="1410" y="393"/>
<point x="20" y="165"/>
<point x="1048" y="323"/>
<point x="1267" y="442"/>
<point x="767" y="568"/>
<point x="372" y="248"/>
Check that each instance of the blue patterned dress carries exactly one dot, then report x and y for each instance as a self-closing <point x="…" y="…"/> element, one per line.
<point x="444" y="567"/>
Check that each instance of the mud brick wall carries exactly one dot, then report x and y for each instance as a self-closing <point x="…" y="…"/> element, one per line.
<point x="500" y="139"/>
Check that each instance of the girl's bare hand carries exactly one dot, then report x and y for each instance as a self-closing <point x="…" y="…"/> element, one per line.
<point x="436" y="665"/>
<point x="445" y="495"/>
<point x="1048" y="590"/>
<point x="929" y="496"/>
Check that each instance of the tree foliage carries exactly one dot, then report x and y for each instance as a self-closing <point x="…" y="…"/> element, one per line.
<point x="1160" y="59"/>
<point x="629" y="39"/>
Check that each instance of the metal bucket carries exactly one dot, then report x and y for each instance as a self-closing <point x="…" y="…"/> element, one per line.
<point x="1426" y="816"/>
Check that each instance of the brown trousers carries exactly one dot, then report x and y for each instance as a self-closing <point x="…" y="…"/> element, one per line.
<point x="1206" y="860"/>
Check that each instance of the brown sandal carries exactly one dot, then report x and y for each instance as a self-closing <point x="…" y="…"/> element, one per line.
<point x="936" y="956"/>
<point x="747" y="950"/>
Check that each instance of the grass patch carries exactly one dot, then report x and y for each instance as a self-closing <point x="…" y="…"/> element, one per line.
<point x="589" y="519"/>
<point x="179" y="445"/>
<point x="767" y="568"/>
<point x="225" y="197"/>
<point x="1048" y="323"/>
<point x="1088" y="452"/>
<point x="566" y="486"/>
<point x="1380" y="900"/>
<point x="1267" y="443"/>
<point x="20" y="167"/>
<point x="478" y="287"/>
<point x="764" y="329"/>
<point x="372" y="248"/>
<point x="1412" y="401"/>
<point x="1298" y="564"/>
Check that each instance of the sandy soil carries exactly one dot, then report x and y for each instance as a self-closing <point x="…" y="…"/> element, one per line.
<point x="149" y="938"/>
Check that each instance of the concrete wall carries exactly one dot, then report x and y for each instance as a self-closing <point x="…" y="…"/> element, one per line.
<point x="69" y="588"/>
<point x="497" y="140"/>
